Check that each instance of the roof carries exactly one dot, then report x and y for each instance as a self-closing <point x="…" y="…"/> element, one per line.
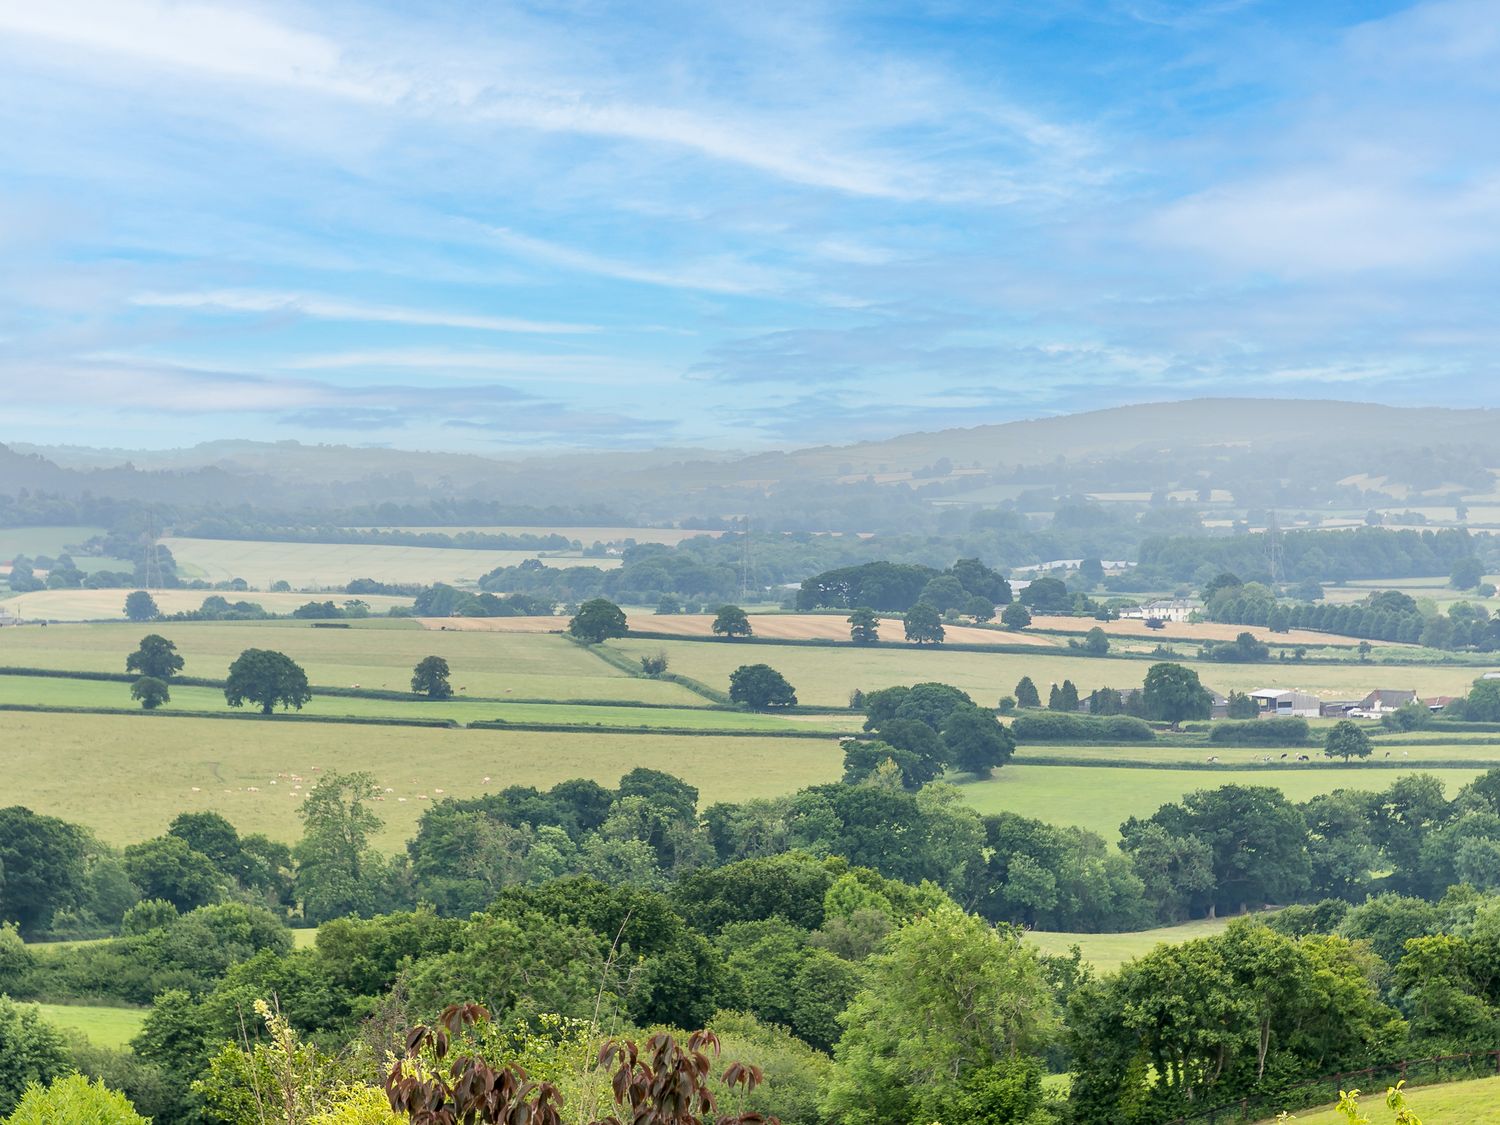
<point x="1388" y="697"/>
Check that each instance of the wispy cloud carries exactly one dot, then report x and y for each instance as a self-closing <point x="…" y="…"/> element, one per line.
<point x="329" y="308"/>
<point x="724" y="276"/>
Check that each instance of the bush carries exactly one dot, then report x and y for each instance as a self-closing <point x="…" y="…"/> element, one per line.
<point x="1261" y="732"/>
<point x="1061" y="726"/>
<point x="76" y="1100"/>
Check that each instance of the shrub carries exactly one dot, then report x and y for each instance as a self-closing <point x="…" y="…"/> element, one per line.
<point x="1261" y="732"/>
<point x="1062" y="726"/>
<point x="75" y="1100"/>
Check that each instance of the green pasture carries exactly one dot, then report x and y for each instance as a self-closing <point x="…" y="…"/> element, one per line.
<point x="494" y="665"/>
<point x="61" y="692"/>
<point x="1476" y="1102"/>
<point x="33" y="541"/>
<point x="127" y="777"/>
<point x="1240" y="764"/>
<point x="103" y="1027"/>
<point x="825" y="676"/>
<point x="1102" y="799"/>
<point x="333" y="564"/>
<point x="1107" y="952"/>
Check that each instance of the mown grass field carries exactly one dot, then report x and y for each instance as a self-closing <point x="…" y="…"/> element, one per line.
<point x="1246" y="761"/>
<point x="33" y="541"/>
<point x="60" y="692"/>
<point x="333" y="564"/>
<point x="125" y="777"/>
<point x="825" y="677"/>
<point x="109" y="605"/>
<point x="1107" y="952"/>
<point x="103" y="1027"/>
<point x="1101" y="799"/>
<point x="1476" y="1102"/>
<point x="374" y="654"/>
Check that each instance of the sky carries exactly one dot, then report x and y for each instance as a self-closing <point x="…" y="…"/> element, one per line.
<point x="503" y="227"/>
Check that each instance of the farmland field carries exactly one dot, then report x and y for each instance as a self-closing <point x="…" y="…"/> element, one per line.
<point x="768" y="626"/>
<point x="102" y="1026"/>
<point x="1107" y="952"/>
<point x="374" y="654"/>
<point x="126" y="777"/>
<point x="587" y="536"/>
<point x="1185" y="631"/>
<point x="1476" y="1102"/>
<point x="1101" y="799"/>
<point x="33" y="541"/>
<point x="825" y="677"/>
<point x="109" y="605"/>
<point x="333" y="564"/>
<point x="61" y="692"/>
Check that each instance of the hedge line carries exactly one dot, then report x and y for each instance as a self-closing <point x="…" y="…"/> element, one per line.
<point x="277" y="717"/>
<point x="1242" y="767"/>
<point x="1261" y="732"/>
<point x="1062" y="726"/>
<point x="587" y="728"/>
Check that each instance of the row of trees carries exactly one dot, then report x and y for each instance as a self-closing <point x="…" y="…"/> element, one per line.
<point x="893" y="1000"/>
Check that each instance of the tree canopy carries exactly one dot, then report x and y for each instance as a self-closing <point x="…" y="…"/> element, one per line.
<point x="266" y="678"/>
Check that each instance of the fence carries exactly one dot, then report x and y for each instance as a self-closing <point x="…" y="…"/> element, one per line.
<point x="1326" y="1088"/>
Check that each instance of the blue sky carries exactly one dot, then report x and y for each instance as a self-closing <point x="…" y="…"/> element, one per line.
<point x="505" y="227"/>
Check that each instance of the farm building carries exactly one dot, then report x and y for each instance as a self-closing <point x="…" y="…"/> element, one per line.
<point x="1381" y="700"/>
<point x="1280" y="703"/>
<point x="1169" y="609"/>
<point x="1337" y="708"/>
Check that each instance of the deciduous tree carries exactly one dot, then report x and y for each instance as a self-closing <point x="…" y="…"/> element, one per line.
<point x="156" y="657"/>
<point x="141" y="606"/>
<point x="731" y="621"/>
<point x="266" y="678"/>
<point x="598" y="619"/>
<point x="760" y="686"/>
<point x="923" y="624"/>
<point x="430" y="678"/>
<point x="864" y="626"/>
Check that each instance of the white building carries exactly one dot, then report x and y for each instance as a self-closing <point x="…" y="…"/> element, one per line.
<point x="1168" y="609"/>
<point x="1279" y="703"/>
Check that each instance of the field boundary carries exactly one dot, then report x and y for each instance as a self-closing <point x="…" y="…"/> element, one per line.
<point x="275" y="717"/>
<point x="441" y="724"/>
<point x="1250" y="767"/>
<point x="632" y="668"/>
<point x="380" y="694"/>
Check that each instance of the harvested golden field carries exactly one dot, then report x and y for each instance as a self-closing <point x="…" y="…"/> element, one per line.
<point x="769" y="626"/>
<point x="588" y="536"/>
<point x="109" y="605"/>
<point x="1183" y="631"/>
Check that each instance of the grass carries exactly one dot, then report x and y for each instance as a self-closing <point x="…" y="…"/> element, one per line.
<point x="60" y="692"/>
<point x="1107" y="952"/>
<point x="126" y="778"/>
<point x="527" y="666"/>
<point x="104" y="1027"/>
<point x="824" y="679"/>
<point x="1483" y="752"/>
<point x="33" y="541"/>
<point x="1100" y="800"/>
<point x="334" y="564"/>
<point x="1476" y="1102"/>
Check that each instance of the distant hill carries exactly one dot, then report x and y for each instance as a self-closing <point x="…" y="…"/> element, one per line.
<point x="1228" y="441"/>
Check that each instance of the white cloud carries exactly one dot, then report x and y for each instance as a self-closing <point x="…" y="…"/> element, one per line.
<point x="726" y="275"/>
<point x="329" y="308"/>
